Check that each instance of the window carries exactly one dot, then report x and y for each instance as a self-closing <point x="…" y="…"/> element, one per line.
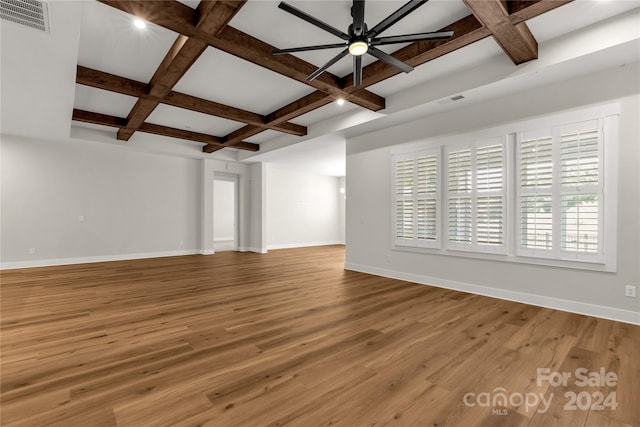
<point x="476" y="196"/>
<point x="416" y="208"/>
<point x="559" y="190"/>
<point x="534" y="196"/>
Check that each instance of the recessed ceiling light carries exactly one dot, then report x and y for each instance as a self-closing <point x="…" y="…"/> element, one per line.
<point x="140" y="23"/>
<point x="340" y="101"/>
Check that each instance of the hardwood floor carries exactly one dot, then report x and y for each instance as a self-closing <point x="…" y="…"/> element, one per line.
<point x="290" y="338"/>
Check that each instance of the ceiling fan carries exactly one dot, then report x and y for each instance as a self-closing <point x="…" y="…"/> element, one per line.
<point x="359" y="39"/>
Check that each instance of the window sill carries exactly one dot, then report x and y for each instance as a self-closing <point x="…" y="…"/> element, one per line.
<point x="556" y="263"/>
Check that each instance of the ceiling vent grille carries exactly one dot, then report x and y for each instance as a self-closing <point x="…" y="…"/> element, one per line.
<point x="30" y="13"/>
<point x="450" y="100"/>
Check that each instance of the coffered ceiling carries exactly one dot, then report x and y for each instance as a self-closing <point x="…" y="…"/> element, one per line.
<point x="209" y="27"/>
<point x="201" y="74"/>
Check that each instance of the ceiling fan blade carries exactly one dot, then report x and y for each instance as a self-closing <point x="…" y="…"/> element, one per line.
<point x="357" y="12"/>
<point x="332" y="61"/>
<point x="357" y="70"/>
<point x="395" y="17"/>
<point x="313" y="21"/>
<point x="306" y="48"/>
<point x="383" y="56"/>
<point x="411" y="38"/>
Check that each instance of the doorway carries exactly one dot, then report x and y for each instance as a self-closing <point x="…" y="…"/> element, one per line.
<point x="225" y="213"/>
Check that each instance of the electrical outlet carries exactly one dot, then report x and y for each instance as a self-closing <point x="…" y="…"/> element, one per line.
<point x="80" y="218"/>
<point x="630" y="291"/>
<point x="32" y="251"/>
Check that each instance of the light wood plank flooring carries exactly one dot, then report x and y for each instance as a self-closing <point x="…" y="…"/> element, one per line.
<point x="290" y="338"/>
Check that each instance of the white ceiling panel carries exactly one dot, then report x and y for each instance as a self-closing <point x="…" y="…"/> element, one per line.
<point x="460" y="59"/>
<point x="263" y="136"/>
<point x="167" y="115"/>
<point x="324" y="113"/>
<point x="224" y="78"/>
<point x="110" y="42"/>
<point x="191" y="3"/>
<point x="102" y="101"/>
<point x="575" y="15"/>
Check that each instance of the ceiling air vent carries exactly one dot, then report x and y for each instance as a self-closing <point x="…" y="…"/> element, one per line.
<point x="30" y="13"/>
<point x="450" y="100"/>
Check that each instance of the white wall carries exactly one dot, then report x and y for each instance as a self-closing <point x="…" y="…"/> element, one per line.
<point x="302" y="209"/>
<point x="134" y="204"/>
<point x="258" y="216"/>
<point x="342" y="207"/>
<point x="131" y="203"/>
<point x="369" y="246"/>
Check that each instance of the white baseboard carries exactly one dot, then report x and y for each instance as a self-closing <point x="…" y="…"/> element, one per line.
<point x="100" y="258"/>
<point x="626" y="316"/>
<point x="207" y="251"/>
<point x="251" y="249"/>
<point x="304" y="245"/>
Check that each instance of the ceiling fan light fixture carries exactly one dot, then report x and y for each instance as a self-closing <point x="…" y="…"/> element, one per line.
<point x="358" y="48"/>
<point x="360" y="39"/>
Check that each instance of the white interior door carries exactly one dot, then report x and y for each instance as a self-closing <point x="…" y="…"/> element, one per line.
<point x="225" y="213"/>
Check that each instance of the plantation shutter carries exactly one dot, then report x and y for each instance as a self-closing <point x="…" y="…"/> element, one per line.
<point x="416" y="207"/>
<point x="490" y="201"/>
<point x="477" y="196"/>
<point x="404" y="207"/>
<point x="580" y="188"/>
<point x="427" y="177"/>
<point x="561" y="192"/>
<point x="459" y="188"/>
<point x="536" y="197"/>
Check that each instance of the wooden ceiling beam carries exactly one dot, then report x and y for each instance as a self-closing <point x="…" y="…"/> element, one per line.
<point x="244" y="46"/>
<point x="98" y="119"/>
<point x="297" y="108"/>
<point x="138" y="114"/>
<point x="516" y="41"/>
<point x="211" y="16"/>
<point x="110" y="82"/>
<point x="236" y="137"/>
<point x="118" y="122"/>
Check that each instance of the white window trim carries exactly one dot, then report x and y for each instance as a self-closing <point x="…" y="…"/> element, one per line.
<point x="610" y="113"/>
